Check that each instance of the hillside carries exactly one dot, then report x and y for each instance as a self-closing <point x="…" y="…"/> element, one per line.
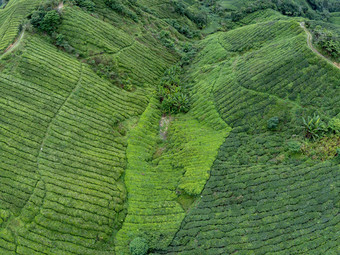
<point x="169" y="127"/>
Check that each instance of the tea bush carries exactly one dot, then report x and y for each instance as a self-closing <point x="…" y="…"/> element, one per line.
<point x="138" y="246"/>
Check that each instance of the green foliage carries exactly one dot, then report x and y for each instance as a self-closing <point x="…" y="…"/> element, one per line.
<point x="50" y="21"/>
<point x="166" y="39"/>
<point x="63" y="109"/>
<point x="199" y="18"/>
<point x="122" y="8"/>
<point x="188" y="53"/>
<point x="138" y="246"/>
<point x="85" y="4"/>
<point x="172" y="93"/>
<point x="273" y="122"/>
<point x="60" y="41"/>
<point x="322" y="149"/>
<point x="183" y="29"/>
<point x="12" y="15"/>
<point x="294" y="146"/>
<point x="47" y="21"/>
<point x="313" y="126"/>
<point x="251" y="7"/>
<point x="334" y="125"/>
<point x="107" y="68"/>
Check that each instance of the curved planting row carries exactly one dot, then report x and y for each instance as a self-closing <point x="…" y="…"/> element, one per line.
<point x="63" y="154"/>
<point x="11" y="18"/>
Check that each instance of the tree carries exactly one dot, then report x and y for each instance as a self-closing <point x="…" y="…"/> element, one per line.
<point x="37" y="17"/>
<point x="50" y="21"/>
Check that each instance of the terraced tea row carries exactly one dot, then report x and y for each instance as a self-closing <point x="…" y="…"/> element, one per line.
<point x="10" y="19"/>
<point x="143" y="58"/>
<point x="62" y="167"/>
<point x="261" y="209"/>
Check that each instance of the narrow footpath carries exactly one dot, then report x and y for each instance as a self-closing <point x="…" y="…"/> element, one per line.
<point x="310" y="45"/>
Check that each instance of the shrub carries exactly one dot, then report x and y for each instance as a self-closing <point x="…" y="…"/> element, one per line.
<point x="50" y="21"/>
<point x="172" y="95"/>
<point x="273" y="122"/>
<point x="294" y="146"/>
<point x="119" y="7"/>
<point x="86" y="4"/>
<point x="313" y="126"/>
<point x="46" y="21"/>
<point x="139" y="246"/>
<point x="200" y="19"/>
<point x="166" y="39"/>
<point x="337" y="155"/>
<point x="334" y="125"/>
<point x="37" y="17"/>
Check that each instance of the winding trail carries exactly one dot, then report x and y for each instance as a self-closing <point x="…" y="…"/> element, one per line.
<point x="310" y="45"/>
<point x="60" y="6"/>
<point x="11" y="47"/>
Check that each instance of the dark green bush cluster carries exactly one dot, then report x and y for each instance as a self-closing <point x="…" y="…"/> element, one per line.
<point x="250" y="8"/>
<point x="138" y="246"/>
<point x="166" y="39"/>
<point x="46" y="20"/>
<point x="273" y="122"/>
<point x="106" y="67"/>
<point x="337" y="155"/>
<point x="183" y="29"/>
<point x="120" y="6"/>
<point x="188" y="53"/>
<point x="325" y="5"/>
<point x="328" y="40"/>
<point x="85" y="4"/>
<point x="286" y="7"/>
<point x="294" y="146"/>
<point x="60" y="41"/>
<point x="172" y="94"/>
<point x="200" y="18"/>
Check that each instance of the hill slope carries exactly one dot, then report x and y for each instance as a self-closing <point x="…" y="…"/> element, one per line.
<point x="90" y="160"/>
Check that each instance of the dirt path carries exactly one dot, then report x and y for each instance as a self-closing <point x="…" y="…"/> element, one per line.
<point x="13" y="45"/>
<point x="60" y="6"/>
<point x="310" y="45"/>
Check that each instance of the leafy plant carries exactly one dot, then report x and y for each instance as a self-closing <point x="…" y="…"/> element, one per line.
<point x="45" y="19"/>
<point x="273" y="122"/>
<point x="337" y="155"/>
<point x="86" y="4"/>
<point x="138" y="246"/>
<point x="294" y="146"/>
<point x="172" y="95"/>
<point x="334" y="125"/>
<point x="119" y="7"/>
<point x="313" y="126"/>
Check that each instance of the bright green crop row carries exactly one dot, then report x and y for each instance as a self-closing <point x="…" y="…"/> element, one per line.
<point x="10" y="19"/>
<point x="62" y="153"/>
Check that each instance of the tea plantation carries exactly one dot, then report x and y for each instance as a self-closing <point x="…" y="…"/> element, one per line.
<point x="169" y="127"/>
